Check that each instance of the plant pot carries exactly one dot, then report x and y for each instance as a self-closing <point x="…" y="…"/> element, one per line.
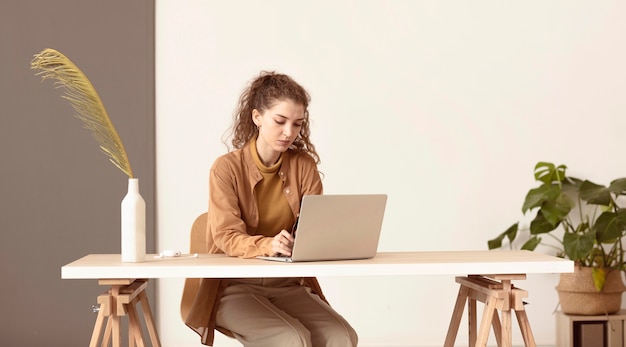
<point x="578" y="294"/>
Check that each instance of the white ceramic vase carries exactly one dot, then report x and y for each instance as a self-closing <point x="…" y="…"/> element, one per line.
<point x="133" y="224"/>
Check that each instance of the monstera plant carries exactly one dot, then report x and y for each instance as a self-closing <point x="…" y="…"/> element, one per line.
<point x="588" y="214"/>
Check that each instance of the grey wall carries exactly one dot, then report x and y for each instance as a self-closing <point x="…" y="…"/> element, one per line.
<point x="59" y="195"/>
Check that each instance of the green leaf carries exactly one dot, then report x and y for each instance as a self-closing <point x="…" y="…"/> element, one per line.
<point x="555" y="211"/>
<point x="578" y="246"/>
<point x="595" y="194"/>
<point x="548" y="173"/>
<point x="532" y="243"/>
<point x="540" y="225"/>
<point x="599" y="277"/>
<point x="571" y="183"/>
<point x="509" y="233"/>
<point x="538" y="196"/>
<point x="610" y="226"/>
<point x="618" y="186"/>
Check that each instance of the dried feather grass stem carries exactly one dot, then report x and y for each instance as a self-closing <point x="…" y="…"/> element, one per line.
<point x="85" y="100"/>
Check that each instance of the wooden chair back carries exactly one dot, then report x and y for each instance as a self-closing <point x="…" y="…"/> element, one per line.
<point x="197" y="244"/>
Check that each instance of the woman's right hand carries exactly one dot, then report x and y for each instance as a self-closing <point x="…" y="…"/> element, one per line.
<point x="283" y="243"/>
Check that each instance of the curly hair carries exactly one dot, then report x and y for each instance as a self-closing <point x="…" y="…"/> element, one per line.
<point x="262" y="93"/>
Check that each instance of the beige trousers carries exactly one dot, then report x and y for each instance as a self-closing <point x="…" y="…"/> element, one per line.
<point x="280" y="312"/>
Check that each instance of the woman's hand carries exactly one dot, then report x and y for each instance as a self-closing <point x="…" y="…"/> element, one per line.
<point x="283" y="243"/>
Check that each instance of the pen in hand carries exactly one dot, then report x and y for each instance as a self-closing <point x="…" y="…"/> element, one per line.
<point x="283" y="241"/>
<point x="295" y="226"/>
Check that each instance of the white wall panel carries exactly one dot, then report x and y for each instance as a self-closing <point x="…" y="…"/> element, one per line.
<point x="446" y="106"/>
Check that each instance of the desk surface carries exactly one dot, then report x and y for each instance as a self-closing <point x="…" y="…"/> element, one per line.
<point x="107" y="266"/>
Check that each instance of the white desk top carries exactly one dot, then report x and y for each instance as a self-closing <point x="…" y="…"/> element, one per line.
<point x="109" y="266"/>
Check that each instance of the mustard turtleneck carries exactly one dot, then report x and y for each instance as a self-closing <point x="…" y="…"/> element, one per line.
<point x="274" y="211"/>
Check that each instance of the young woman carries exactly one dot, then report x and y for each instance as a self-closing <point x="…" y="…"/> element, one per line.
<point x="254" y="200"/>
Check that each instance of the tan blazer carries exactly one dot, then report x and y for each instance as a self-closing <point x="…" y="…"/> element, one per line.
<point x="229" y="227"/>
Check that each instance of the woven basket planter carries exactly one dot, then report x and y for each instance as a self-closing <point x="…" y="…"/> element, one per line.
<point x="578" y="294"/>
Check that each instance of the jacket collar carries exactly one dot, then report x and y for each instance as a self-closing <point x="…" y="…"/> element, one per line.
<point x="255" y="174"/>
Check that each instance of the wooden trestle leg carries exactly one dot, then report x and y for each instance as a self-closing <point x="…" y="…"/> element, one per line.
<point x="498" y="295"/>
<point x="122" y="299"/>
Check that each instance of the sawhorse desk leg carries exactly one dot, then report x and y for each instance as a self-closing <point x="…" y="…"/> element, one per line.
<point x="498" y="294"/>
<point x="122" y="299"/>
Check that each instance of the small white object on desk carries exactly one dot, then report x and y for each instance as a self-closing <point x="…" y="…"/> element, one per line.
<point x="169" y="253"/>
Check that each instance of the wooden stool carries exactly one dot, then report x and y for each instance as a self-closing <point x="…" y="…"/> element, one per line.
<point x="497" y="293"/>
<point x="122" y="298"/>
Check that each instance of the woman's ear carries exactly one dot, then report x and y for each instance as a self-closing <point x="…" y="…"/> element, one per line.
<point x="256" y="117"/>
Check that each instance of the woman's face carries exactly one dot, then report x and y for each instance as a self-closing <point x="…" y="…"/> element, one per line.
<point x="278" y="128"/>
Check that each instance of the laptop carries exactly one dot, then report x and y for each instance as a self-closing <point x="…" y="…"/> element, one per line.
<point x="337" y="227"/>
